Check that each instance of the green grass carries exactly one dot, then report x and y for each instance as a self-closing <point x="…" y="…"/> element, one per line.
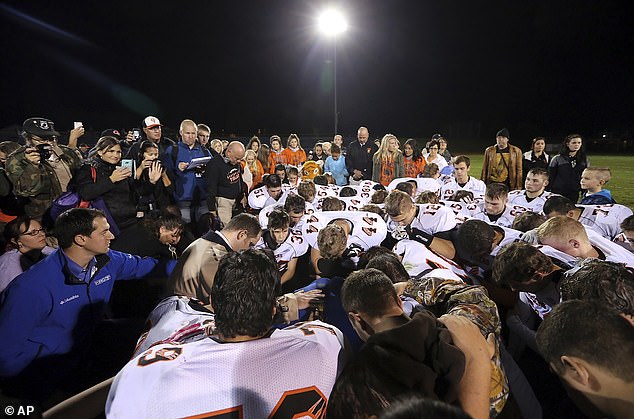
<point x="622" y="167"/>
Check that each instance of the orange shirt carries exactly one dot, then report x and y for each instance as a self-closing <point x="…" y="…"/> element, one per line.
<point x="387" y="171"/>
<point x="294" y="158"/>
<point x="275" y="159"/>
<point x="413" y="167"/>
<point x="256" y="175"/>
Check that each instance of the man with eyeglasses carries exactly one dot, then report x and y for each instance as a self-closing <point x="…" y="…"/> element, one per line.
<point x="152" y="131"/>
<point x="42" y="169"/>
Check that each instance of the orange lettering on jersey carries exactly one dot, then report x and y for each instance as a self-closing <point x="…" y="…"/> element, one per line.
<point x="230" y="413"/>
<point x="304" y="402"/>
<point x="163" y="354"/>
<point x="307" y="328"/>
<point x="369" y="230"/>
<point x="370" y="220"/>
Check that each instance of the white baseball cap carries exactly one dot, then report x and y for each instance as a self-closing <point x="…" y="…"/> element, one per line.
<point x="151" y="121"/>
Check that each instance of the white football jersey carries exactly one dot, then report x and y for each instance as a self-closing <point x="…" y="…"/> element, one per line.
<point x="289" y="373"/>
<point x="176" y="319"/>
<point x="326" y="190"/>
<point x="510" y="236"/>
<point x="418" y="258"/>
<point x="430" y="218"/>
<point x="604" y="219"/>
<point x="368" y="229"/>
<point x="612" y="251"/>
<point x="451" y="187"/>
<point x="564" y="260"/>
<point x="263" y="216"/>
<point x="536" y="204"/>
<point x="507" y="217"/>
<point x="364" y="192"/>
<point x="260" y="198"/>
<point x="423" y="184"/>
<point x="462" y="209"/>
<point x="293" y="247"/>
<point x="353" y="203"/>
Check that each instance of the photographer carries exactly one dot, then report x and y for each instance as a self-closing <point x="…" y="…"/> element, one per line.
<point x="41" y="170"/>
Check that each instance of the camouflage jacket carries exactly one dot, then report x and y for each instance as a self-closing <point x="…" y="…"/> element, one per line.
<point x="38" y="181"/>
<point x="445" y="296"/>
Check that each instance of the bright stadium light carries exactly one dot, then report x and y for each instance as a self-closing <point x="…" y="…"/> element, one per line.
<point x="332" y="22"/>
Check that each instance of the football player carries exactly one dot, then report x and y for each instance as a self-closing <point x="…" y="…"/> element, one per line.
<point x="424" y="223"/>
<point x="231" y="372"/>
<point x="534" y="195"/>
<point x="286" y="243"/>
<point x="496" y="209"/>
<point x="359" y="231"/>
<point x="266" y="195"/>
<point x="604" y="219"/>
<point x="461" y="180"/>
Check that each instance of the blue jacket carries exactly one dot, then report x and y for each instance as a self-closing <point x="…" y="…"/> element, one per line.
<point x="50" y="311"/>
<point x="186" y="183"/>
<point x="338" y="169"/>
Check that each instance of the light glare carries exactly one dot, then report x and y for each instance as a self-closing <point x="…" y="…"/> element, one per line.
<point x="332" y="23"/>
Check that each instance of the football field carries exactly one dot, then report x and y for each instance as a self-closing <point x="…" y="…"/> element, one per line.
<point x="622" y="167"/>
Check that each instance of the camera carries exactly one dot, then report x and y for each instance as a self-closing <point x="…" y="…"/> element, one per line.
<point x="45" y="151"/>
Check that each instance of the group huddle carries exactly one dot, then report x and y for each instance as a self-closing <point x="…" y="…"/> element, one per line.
<point x="387" y="289"/>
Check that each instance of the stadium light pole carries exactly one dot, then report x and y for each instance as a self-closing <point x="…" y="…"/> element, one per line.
<point x="332" y="24"/>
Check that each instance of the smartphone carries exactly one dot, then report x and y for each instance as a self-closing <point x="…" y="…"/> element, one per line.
<point x="77" y="124"/>
<point x="128" y="163"/>
<point x="136" y="134"/>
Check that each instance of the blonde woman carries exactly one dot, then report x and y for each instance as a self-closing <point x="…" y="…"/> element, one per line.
<point x="387" y="163"/>
<point x="252" y="163"/>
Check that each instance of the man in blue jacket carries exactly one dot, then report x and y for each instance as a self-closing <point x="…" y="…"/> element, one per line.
<point x="190" y="184"/>
<point x="48" y="313"/>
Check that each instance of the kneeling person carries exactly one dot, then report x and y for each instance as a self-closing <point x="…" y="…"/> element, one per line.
<point x="286" y="243"/>
<point x="231" y="371"/>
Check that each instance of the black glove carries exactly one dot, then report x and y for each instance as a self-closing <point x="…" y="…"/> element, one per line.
<point x="420" y="236"/>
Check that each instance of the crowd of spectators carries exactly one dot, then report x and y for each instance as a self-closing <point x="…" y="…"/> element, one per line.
<point x="201" y="277"/>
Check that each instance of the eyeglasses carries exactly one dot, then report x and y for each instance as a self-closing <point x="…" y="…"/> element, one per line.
<point x="33" y="233"/>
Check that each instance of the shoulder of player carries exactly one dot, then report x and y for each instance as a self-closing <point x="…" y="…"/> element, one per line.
<point x="314" y="331"/>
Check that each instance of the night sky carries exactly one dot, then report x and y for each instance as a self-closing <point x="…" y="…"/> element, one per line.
<point x="465" y="68"/>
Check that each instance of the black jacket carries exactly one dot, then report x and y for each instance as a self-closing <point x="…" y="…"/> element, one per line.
<point x="223" y="180"/>
<point x="360" y="157"/>
<point x="565" y="174"/>
<point x="119" y="197"/>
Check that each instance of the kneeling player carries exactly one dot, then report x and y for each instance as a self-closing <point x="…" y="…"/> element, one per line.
<point x="495" y="209"/>
<point x="420" y="222"/>
<point x="286" y="243"/>
<point x="356" y="232"/>
<point x="231" y="371"/>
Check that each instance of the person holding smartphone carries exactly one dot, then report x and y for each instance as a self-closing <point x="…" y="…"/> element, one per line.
<point x="154" y="188"/>
<point x="111" y="182"/>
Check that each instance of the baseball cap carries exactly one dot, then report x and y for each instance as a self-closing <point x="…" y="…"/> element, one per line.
<point x="112" y="133"/>
<point x="151" y="121"/>
<point x="437" y="136"/>
<point x="41" y="127"/>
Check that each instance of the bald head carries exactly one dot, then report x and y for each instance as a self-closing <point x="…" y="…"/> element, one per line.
<point x="362" y="135"/>
<point x="235" y="151"/>
<point x="189" y="132"/>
